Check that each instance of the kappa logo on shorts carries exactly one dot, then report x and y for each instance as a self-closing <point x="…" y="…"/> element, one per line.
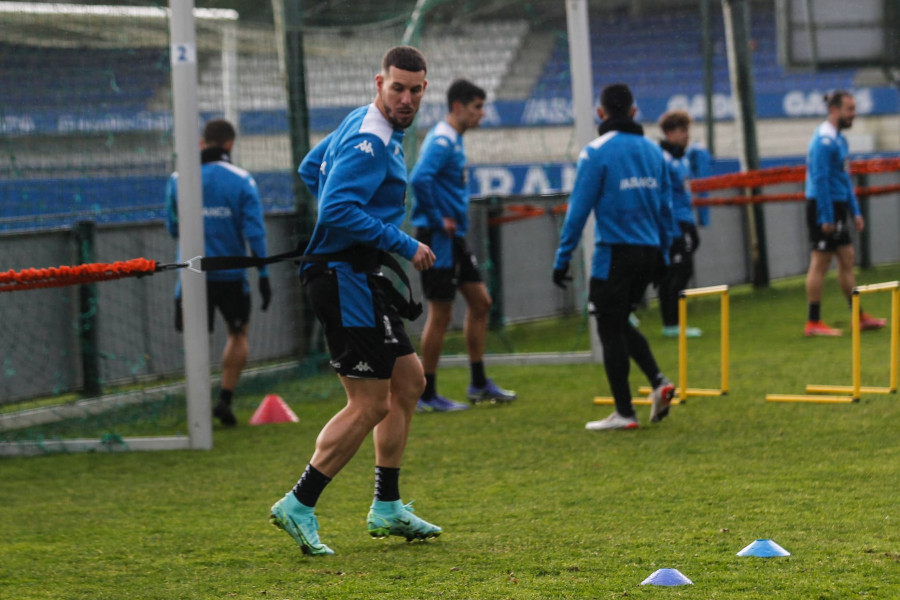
<point x="365" y="146"/>
<point x="363" y="367"/>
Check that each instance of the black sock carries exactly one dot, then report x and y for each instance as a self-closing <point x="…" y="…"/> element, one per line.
<point x="225" y="396"/>
<point x="814" y="311"/>
<point x="476" y="369"/>
<point x="657" y="380"/>
<point x="310" y="486"/>
<point x="387" y="484"/>
<point x="430" y="385"/>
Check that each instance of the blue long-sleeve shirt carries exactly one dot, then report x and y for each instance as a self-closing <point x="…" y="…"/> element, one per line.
<point x="827" y="177"/>
<point x="622" y="178"/>
<point x="439" y="181"/>
<point x="701" y="166"/>
<point x="232" y="214"/>
<point x="358" y="176"/>
<point x="679" y="169"/>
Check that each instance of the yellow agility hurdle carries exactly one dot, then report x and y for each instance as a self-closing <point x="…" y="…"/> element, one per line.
<point x="683" y="390"/>
<point x="827" y="394"/>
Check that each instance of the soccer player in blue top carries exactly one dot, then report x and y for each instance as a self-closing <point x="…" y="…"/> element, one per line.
<point x="358" y="176"/>
<point x="830" y="202"/>
<point x="675" y="126"/>
<point x="441" y="215"/>
<point x="622" y="178"/>
<point x="232" y="220"/>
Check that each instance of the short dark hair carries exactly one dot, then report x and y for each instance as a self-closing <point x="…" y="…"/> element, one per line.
<point x="463" y="90"/>
<point x="674" y="119"/>
<point x="405" y="58"/>
<point x="218" y="132"/>
<point x="616" y="100"/>
<point x="835" y="98"/>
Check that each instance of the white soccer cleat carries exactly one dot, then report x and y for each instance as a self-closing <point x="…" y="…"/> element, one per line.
<point x="613" y="421"/>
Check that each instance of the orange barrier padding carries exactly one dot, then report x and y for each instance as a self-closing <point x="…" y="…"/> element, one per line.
<point x="29" y="279"/>
<point x="517" y="212"/>
<point x="738" y="200"/>
<point x="796" y="174"/>
<point x="750" y="179"/>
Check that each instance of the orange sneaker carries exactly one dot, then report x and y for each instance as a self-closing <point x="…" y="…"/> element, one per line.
<point x="868" y="322"/>
<point x="818" y="328"/>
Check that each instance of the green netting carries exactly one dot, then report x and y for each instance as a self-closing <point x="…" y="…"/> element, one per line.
<point x="86" y="146"/>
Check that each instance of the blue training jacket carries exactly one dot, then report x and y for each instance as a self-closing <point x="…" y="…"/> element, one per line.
<point x="827" y="176"/>
<point x="679" y="175"/>
<point x="622" y="178"/>
<point x="232" y="215"/>
<point x="700" y="161"/>
<point x="439" y="181"/>
<point x="358" y="176"/>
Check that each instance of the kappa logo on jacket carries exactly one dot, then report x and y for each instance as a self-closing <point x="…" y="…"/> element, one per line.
<point x="365" y="146"/>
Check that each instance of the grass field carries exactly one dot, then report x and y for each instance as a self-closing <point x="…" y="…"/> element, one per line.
<point x="532" y="505"/>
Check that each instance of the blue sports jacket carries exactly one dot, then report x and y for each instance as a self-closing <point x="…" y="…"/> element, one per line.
<point x="358" y="175"/>
<point x="701" y="166"/>
<point x="679" y="169"/>
<point x="622" y="177"/>
<point x="439" y="181"/>
<point x="827" y="177"/>
<point x="232" y="214"/>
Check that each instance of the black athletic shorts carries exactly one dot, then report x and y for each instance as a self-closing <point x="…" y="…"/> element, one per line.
<point x="454" y="265"/>
<point x="364" y="333"/>
<point x="841" y="234"/>
<point x="631" y="269"/>
<point x="229" y="297"/>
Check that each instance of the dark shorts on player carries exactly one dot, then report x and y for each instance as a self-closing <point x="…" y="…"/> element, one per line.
<point x="822" y="242"/>
<point x="631" y="270"/>
<point x="364" y="332"/>
<point x="229" y="297"/>
<point x="454" y="265"/>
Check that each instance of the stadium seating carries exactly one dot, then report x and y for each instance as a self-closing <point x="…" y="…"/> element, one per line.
<point x="661" y="55"/>
<point x="121" y="79"/>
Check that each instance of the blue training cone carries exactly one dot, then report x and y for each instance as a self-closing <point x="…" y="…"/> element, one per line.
<point x="667" y="577"/>
<point x="764" y="548"/>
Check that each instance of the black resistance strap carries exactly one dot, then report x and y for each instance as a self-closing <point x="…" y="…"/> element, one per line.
<point x="361" y="258"/>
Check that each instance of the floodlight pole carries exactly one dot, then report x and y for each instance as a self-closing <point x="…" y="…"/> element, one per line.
<point x="710" y="119"/>
<point x="190" y="221"/>
<point x="737" y="36"/>
<point x="583" y="109"/>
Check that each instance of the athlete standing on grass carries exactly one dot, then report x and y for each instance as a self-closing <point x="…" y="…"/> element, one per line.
<point x="358" y="175"/>
<point x="621" y="177"/>
<point x="675" y="126"/>
<point x="441" y="215"/>
<point x="830" y="202"/>
<point x="232" y="219"/>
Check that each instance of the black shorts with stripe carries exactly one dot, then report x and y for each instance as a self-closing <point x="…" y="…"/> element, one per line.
<point x="231" y="298"/>
<point x="364" y="333"/>
<point x="455" y="264"/>
<point x="820" y="241"/>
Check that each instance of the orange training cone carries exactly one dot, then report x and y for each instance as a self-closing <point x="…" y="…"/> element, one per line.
<point x="273" y="410"/>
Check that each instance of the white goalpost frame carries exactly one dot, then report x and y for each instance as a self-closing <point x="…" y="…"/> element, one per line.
<point x="583" y="108"/>
<point x="190" y="217"/>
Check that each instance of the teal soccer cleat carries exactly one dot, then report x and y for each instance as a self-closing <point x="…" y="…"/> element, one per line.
<point x="401" y="522"/>
<point x="300" y="523"/>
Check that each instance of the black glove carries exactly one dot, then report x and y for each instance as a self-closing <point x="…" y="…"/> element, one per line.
<point x="265" y="290"/>
<point x="561" y="276"/>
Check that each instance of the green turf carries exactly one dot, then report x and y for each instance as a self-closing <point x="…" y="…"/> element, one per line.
<point x="532" y="505"/>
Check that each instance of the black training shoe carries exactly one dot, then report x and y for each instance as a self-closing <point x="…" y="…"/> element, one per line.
<point x="222" y="411"/>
